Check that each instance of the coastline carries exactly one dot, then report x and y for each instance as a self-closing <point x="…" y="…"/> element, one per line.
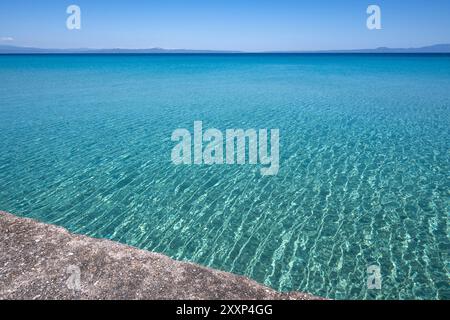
<point x="35" y="262"/>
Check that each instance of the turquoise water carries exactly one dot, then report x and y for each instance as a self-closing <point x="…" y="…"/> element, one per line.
<point x="364" y="177"/>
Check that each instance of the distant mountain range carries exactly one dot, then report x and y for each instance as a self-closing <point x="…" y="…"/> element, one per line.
<point x="437" y="48"/>
<point x="6" y="49"/>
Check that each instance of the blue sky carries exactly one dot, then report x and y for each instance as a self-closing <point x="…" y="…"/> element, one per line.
<point x="249" y="25"/>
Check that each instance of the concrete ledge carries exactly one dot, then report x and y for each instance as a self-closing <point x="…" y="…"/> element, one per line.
<point x="35" y="257"/>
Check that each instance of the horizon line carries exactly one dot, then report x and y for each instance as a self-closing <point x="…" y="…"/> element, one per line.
<point x="12" y="49"/>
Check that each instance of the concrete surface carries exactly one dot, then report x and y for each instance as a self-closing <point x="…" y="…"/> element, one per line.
<point x="41" y="261"/>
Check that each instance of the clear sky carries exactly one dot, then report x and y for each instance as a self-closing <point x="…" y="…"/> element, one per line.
<point x="248" y="25"/>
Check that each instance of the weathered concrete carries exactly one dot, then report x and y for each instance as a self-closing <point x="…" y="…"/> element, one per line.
<point x="35" y="257"/>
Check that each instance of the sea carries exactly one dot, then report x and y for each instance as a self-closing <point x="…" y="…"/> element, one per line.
<point x="363" y="181"/>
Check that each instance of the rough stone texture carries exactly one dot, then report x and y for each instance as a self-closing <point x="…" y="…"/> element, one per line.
<point x="35" y="257"/>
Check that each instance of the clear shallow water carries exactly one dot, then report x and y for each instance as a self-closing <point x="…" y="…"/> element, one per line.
<point x="364" y="175"/>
